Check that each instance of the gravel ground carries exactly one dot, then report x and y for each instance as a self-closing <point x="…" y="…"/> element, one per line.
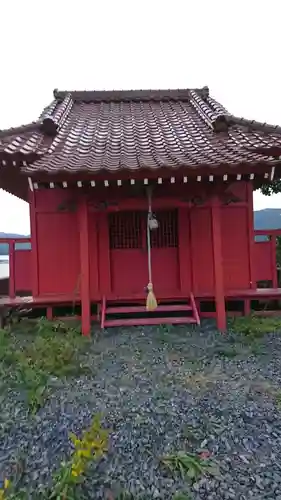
<point x="162" y="391"/>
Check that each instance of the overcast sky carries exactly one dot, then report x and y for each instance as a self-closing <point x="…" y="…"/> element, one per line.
<point x="231" y="46"/>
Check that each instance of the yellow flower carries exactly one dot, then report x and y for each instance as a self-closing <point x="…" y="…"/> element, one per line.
<point x="84" y="453"/>
<point x="74" y="439"/>
<point x="77" y="468"/>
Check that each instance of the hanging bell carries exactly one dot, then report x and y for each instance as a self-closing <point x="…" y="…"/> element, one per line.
<point x="152" y="222"/>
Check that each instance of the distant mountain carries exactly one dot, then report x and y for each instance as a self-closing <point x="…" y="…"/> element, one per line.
<point x="4" y="250"/>
<point x="269" y="218"/>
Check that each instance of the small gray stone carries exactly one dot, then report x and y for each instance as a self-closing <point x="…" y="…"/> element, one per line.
<point x="149" y="392"/>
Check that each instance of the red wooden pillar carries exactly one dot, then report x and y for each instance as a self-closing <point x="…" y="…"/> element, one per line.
<point x="273" y="261"/>
<point x="12" y="277"/>
<point x="104" y="255"/>
<point x="94" y="262"/>
<point x="184" y="252"/>
<point x="251" y="236"/>
<point x="218" y="264"/>
<point x="84" y="267"/>
<point x="34" y="244"/>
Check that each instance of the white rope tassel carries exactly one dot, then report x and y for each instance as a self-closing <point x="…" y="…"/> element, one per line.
<point x="149" y="214"/>
<point x="149" y="252"/>
<point x="151" y="302"/>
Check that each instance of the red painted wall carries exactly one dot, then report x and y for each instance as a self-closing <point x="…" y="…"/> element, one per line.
<point x="93" y="256"/>
<point x="235" y="248"/>
<point x="201" y="250"/>
<point x="263" y="269"/>
<point x="236" y="220"/>
<point x="23" y="280"/>
<point x="59" y="253"/>
<point x="58" y="245"/>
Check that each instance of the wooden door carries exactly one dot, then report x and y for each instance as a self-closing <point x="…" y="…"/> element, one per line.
<point x="128" y="259"/>
<point x="164" y="254"/>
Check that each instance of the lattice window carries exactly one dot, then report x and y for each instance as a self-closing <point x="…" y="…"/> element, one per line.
<point x="125" y="230"/>
<point x="166" y="236"/>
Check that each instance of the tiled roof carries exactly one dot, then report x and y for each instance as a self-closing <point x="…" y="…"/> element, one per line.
<point x="112" y="130"/>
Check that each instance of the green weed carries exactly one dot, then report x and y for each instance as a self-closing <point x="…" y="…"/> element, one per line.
<point x="127" y="495"/>
<point x="255" y="327"/>
<point x="228" y="352"/>
<point x="165" y="328"/>
<point x="57" y="354"/>
<point x="190" y="466"/>
<point x="278" y="399"/>
<point x="192" y="434"/>
<point x="200" y="380"/>
<point x="182" y="496"/>
<point x="34" y="383"/>
<point x="90" y="447"/>
<point x="29" y="361"/>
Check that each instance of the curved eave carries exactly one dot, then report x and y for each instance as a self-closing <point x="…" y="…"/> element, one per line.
<point x="13" y="177"/>
<point x="269" y="151"/>
<point x="19" y="158"/>
<point x="264" y="169"/>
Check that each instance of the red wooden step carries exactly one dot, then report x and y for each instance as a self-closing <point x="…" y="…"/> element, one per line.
<point x="148" y="321"/>
<point x="137" y="309"/>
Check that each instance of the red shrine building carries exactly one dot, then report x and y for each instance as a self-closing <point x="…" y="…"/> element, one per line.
<point x="92" y="168"/>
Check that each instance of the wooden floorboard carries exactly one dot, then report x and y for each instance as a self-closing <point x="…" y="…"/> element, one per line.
<point x="42" y="300"/>
<point x="258" y="293"/>
<point x="253" y="293"/>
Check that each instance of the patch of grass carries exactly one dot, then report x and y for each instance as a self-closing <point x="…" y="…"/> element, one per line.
<point x="263" y="386"/>
<point x="265" y="389"/>
<point x="189" y="466"/>
<point x="163" y="335"/>
<point x="29" y="360"/>
<point x="127" y="495"/>
<point x="35" y="385"/>
<point x="203" y="380"/>
<point x="124" y="495"/>
<point x="228" y="352"/>
<point x="278" y="399"/>
<point x="193" y="434"/>
<point x="165" y="328"/>
<point x="57" y="352"/>
<point x="182" y="496"/>
<point x="175" y="358"/>
<point x="255" y="327"/>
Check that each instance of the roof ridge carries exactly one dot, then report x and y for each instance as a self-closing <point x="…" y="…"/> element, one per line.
<point x="129" y="95"/>
<point x="231" y="119"/>
<point x="213" y="116"/>
<point x="56" y="115"/>
<point x="253" y="124"/>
